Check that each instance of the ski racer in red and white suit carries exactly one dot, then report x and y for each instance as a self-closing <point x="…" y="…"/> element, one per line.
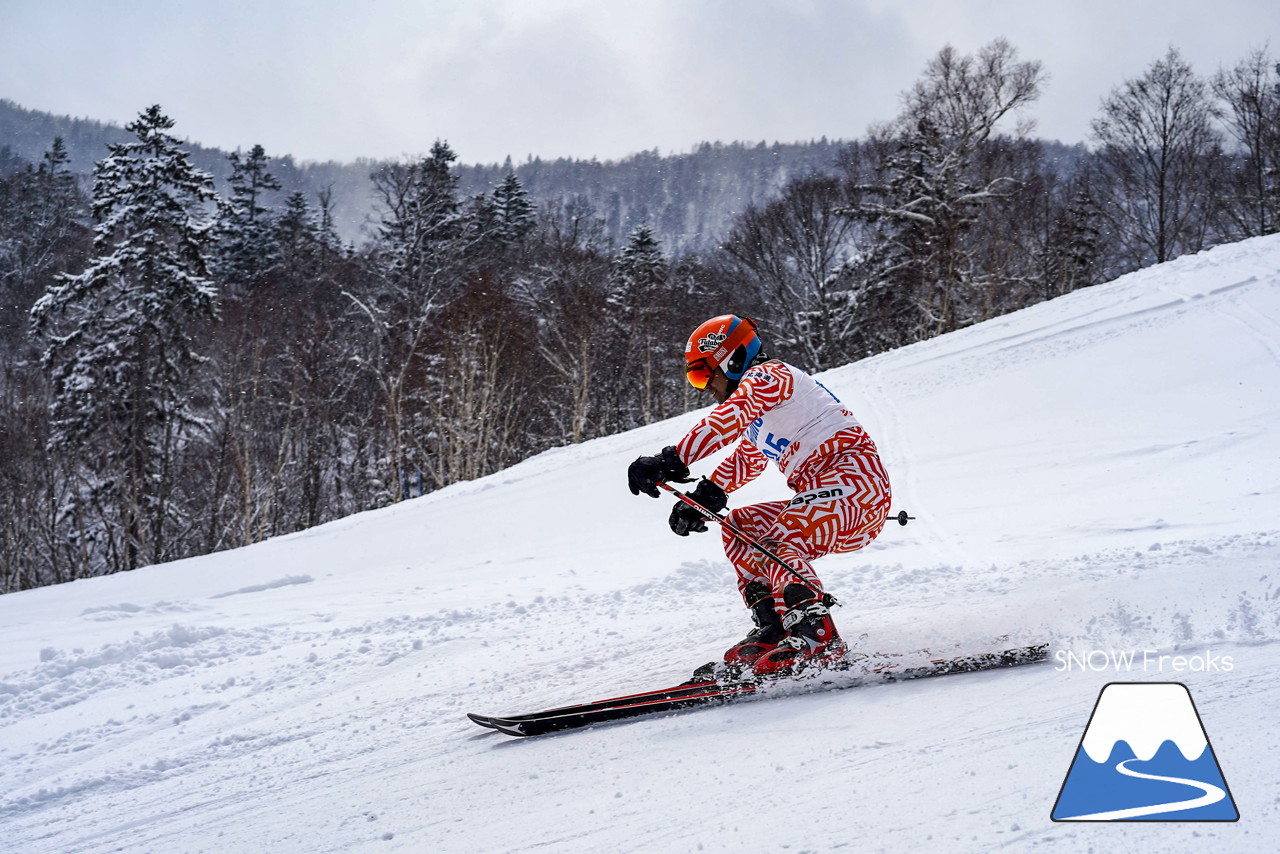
<point x="775" y="412"/>
<point x="783" y="415"/>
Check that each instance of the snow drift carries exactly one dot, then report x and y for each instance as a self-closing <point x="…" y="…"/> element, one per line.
<point x="1101" y="471"/>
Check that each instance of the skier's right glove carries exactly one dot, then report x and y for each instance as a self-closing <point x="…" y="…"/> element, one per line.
<point x="686" y="520"/>
<point x="646" y="473"/>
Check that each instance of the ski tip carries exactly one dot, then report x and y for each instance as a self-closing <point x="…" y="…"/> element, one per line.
<point x="500" y="724"/>
<point x="483" y="720"/>
<point x="1030" y="654"/>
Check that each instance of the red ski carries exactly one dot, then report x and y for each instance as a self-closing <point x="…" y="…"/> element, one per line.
<point x="705" y="692"/>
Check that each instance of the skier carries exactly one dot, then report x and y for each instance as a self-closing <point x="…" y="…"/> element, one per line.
<point x="779" y="413"/>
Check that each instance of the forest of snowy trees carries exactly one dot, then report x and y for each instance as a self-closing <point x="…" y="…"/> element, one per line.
<point x="183" y="371"/>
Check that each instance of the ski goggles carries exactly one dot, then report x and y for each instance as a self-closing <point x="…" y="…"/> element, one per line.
<point x="700" y="373"/>
<point x="701" y="370"/>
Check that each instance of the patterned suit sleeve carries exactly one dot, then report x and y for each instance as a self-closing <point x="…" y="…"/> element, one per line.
<point x="761" y="389"/>
<point x="740" y="468"/>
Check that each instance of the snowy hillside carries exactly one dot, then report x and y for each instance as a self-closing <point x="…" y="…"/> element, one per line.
<point x="1101" y="471"/>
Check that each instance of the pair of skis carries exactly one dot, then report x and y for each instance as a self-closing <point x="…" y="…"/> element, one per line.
<point x="704" y="690"/>
<point x="710" y="686"/>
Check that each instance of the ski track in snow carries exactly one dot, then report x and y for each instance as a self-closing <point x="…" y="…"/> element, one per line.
<point x="308" y="694"/>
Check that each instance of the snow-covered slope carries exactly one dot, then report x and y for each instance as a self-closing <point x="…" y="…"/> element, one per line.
<point x="1101" y="471"/>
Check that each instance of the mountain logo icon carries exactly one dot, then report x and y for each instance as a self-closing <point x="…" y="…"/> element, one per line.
<point x="1145" y="756"/>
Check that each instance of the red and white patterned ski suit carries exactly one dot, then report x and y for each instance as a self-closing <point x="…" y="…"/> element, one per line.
<point x="782" y="414"/>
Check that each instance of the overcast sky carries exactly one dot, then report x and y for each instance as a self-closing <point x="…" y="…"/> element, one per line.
<point x="337" y="79"/>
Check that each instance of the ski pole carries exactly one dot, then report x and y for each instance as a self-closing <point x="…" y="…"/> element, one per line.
<point x="712" y="516"/>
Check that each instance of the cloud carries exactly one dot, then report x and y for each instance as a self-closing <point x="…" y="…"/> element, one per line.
<point x="605" y="78"/>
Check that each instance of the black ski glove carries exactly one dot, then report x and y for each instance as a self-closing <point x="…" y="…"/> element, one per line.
<point x="686" y="520"/>
<point x="646" y="473"/>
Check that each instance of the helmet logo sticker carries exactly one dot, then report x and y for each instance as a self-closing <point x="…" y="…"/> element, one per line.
<point x="711" y="341"/>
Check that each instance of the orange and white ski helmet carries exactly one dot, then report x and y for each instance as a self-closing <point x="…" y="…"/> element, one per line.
<point x="727" y="342"/>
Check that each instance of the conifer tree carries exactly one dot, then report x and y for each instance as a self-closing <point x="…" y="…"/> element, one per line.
<point x="1075" y="245"/>
<point x="296" y="236"/>
<point x="512" y="209"/>
<point x="420" y="222"/>
<point x="247" y="250"/>
<point x="120" y="339"/>
<point x="635" y="298"/>
<point x="926" y="193"/>
<point x="43" y="231"/>
<point x="419" y="258"/>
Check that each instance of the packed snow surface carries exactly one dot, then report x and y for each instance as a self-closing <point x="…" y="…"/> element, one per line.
<point x="1101" y="471"/>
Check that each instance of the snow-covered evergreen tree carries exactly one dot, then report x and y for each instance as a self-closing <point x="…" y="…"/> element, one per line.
<point x="120" y="339"/>
<point x="1071" y="258"/>
<point x="421" y="219"/>
<point x="639" y="268"/>
<point x="636" y="287"/>
<point x="296" y="236"/>
<point x="927" y="191"/>
<point x="43" y="231"/>
<point x="420" y="257"/>
<point x="512" y="209"/>
<point x="910" y="208"/>
<point x="247" y="250"/>
<point x="307" y="246"/>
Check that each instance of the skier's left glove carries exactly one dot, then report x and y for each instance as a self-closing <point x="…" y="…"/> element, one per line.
<point x="686" y="520"/>
<point x="646" y="473"/>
